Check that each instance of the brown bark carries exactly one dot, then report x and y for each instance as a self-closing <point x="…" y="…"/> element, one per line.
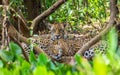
<point x="33" y="7"/>
<point x="0" y="2"/>
<point x="46" y="13"/>
<point x="23" y="23"/>
<point x="113" y="9"/>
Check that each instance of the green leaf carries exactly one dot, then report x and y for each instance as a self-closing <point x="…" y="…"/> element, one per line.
<point x="20" y="59"/>
<point x="15" y="49"/>
<point x="6" y="55"/>
<point x="52" y="66"/>
<point x="16" y="71"/>
<point x="78" y="58"/>
<point x="25" y="68"/>
<point x="42" y="70"/>
<point x="1" y="64"/>
<point x="50" y="18"/>
<point x="42" y="59"/>
<point x="100" y="67"/>
<point x="69" y="73"/>
<point x="32" y="58"/>
<point x="25" y="65"/>
<point x="112" y="41"/>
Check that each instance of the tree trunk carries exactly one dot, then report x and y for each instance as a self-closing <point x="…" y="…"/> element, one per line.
<point x="0" y="2"/>
<point x="113" y="9"/>
<point x="33" y="7"/>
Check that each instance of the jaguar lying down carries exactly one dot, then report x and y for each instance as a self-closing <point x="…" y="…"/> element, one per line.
<point x="59" y="44"/>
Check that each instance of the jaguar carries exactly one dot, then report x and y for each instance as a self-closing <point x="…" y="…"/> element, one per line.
<point x="51" y="49"/>
<point x="49" y="45"/>
<point x="59" y="44"/>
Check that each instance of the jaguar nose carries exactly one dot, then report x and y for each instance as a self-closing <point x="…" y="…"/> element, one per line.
<point x="56" y="57"/>
<point x="57" y="36"/>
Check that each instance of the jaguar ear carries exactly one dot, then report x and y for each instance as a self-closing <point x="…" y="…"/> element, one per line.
<point x="49" y="25"/>
<point x="65" y="24"/>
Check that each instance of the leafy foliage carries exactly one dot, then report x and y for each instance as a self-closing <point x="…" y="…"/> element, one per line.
<point x="77" y="14"/>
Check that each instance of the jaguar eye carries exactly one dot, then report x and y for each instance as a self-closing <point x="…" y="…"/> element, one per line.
<point x="61" y="30"/>
<point x="57" y="57"/>
<point x="53" y="30"/>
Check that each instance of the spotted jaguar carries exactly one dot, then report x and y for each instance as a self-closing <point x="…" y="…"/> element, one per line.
<point x="51" y="49"/>
<point x="49" y="45"/>
<point x="59" y="44"/>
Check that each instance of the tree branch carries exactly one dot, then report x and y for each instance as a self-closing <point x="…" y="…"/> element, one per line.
<point x="113" y="16"/>
<point x="25" y="55"/>
<point x="46" y="13"/>
<point x="23" y="23"/>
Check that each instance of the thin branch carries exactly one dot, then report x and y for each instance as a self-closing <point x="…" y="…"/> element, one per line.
<point x="5" y="23"/>
<point x="23" y="23"/>
<point x="20" y="16"/>
<point x="23" y="51"/>
<point x="46" y="13"/>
